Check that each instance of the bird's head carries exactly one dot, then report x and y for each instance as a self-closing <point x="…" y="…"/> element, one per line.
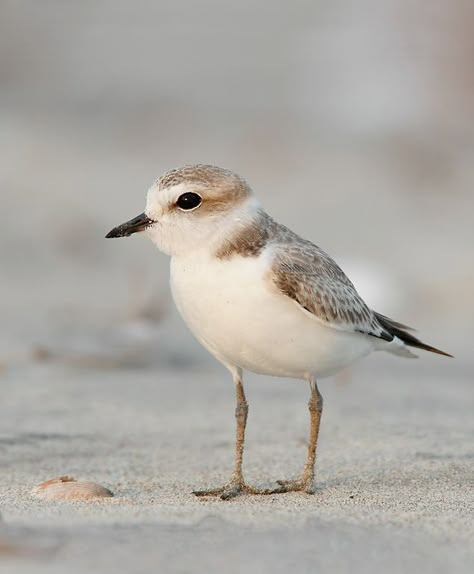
<point x="192" y="207"/>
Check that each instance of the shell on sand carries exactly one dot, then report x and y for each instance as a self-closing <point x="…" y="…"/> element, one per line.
<point x="67" y="488"/>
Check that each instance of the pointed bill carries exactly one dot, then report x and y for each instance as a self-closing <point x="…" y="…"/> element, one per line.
<point x="135" y="225"/>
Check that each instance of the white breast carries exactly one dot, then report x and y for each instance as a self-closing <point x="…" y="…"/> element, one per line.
<point x="235" y="312"/>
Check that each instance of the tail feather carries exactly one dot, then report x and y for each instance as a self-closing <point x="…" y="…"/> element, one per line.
<point x="400" y="331"/>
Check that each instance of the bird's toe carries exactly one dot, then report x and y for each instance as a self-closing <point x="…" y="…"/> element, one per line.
<point x="294" y="486"/>
<point x="210" y="492"/>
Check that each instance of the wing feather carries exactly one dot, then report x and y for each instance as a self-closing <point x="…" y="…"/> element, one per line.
<point x="306" y="274"/>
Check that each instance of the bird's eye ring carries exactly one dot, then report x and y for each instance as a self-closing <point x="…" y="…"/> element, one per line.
<point x="188" y="201"/>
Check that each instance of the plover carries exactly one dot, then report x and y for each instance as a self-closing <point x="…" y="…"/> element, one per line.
<point x="259" y="297"/>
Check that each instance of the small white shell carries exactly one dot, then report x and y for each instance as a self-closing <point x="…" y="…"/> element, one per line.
<point x="67" y="488"/>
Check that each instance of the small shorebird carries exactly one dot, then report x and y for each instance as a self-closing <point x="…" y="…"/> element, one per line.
<point x="258" y="296"/>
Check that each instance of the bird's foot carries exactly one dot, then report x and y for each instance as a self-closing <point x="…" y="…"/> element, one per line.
<point x="234" y="488"/>
<point x="300" y="485"/>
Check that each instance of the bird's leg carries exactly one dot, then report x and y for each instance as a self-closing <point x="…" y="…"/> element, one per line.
<point x="305" y="483"/>
<point x="236" y="484"/>
<point x="241" y="413"/>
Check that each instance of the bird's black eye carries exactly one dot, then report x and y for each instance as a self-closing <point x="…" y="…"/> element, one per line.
<point x="189" y="200"/>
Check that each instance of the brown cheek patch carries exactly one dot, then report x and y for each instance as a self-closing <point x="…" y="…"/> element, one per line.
<point x="220" y="203"/>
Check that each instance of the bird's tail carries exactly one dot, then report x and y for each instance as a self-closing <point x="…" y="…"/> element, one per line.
<point x="401" y="332"/>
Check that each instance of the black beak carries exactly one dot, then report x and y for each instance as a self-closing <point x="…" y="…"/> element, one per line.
<point x="139" y="223"/>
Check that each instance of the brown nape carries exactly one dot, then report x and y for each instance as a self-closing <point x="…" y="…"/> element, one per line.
<point x="399" y="330"/>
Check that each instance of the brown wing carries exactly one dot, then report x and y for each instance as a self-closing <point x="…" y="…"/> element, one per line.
<point x="306" y="274"/>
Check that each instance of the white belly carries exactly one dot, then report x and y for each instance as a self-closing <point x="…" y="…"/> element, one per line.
<point x="233" y="310"/>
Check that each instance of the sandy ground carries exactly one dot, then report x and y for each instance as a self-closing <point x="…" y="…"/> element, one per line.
<point x="394" y="479"/>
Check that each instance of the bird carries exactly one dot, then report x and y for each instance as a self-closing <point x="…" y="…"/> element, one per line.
<point x="259" y="298"/>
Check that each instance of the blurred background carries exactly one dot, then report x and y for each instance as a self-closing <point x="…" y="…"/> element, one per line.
<point x="352" y="120"/>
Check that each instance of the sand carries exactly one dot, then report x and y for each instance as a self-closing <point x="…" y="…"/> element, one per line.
<point x="394" y="472"/>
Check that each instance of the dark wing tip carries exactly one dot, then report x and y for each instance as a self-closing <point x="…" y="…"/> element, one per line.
<point x="383" y="318"/>
<point x="433" y="350"/>
<point x="399" y="330"/>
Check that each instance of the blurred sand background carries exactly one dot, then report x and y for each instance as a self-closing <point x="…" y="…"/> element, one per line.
<point x="354" y="122"/>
